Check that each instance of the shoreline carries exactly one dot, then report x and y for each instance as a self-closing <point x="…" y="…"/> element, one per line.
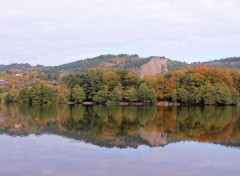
<point x="160" y="104"/>
<point x="123" y="103"/>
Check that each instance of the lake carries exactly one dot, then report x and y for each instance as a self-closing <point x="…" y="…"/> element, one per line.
<point x="72" y="140"/>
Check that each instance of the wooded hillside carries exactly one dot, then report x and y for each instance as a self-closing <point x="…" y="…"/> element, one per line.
<point x="133" y="63"/>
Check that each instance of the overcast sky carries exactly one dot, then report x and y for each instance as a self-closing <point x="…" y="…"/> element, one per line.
<point x="53" y="32"/>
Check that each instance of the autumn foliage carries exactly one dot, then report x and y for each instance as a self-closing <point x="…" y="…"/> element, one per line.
<point x="201" y="85"/>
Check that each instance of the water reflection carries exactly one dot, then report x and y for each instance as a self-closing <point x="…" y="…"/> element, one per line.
<point x="125" y="126"/>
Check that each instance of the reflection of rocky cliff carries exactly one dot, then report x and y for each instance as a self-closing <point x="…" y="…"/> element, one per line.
<point x="141" y="137"/>
<point x="154" y="138"/>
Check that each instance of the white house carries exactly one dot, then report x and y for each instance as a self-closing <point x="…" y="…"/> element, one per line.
<point x="18" y="75"/>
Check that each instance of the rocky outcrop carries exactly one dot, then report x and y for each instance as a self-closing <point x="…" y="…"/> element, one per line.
<point x="154" y="66"/>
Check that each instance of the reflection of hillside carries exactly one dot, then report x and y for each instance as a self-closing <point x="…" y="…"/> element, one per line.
<point x="125" y="126"/>
<point x="231" y="143"/>
<point x="132" y="141"/>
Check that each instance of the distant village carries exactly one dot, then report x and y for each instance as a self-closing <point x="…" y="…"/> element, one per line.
<point x="5" y="82"/>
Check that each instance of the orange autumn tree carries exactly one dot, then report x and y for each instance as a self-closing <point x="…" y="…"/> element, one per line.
<point x="169" y="88"/>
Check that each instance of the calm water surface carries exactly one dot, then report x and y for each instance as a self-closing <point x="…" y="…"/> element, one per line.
<point x="109" y="140"/>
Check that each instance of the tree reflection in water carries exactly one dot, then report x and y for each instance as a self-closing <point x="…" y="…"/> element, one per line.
<point x="125" y="126"/>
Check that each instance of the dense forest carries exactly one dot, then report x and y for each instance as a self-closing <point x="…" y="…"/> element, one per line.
<point x="203" y="85"/>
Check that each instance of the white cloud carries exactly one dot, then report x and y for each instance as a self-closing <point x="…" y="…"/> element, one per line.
<point x="53" y="32"/>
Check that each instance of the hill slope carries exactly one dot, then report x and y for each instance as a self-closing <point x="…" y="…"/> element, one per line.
<point x="133" y="63"/>
<point x="140" y="66"/>
<point x="232" y="63"/>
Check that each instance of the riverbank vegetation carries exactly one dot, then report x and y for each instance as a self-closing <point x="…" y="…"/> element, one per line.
<point x="201" y="85"/>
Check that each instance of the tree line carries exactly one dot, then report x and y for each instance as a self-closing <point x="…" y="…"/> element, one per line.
<point x="201" y="85"/>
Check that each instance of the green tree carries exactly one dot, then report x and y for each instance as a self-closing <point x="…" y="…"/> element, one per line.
<point x="131" y="95"/>
<point x="223" y="94"/>
<point x="12" y="96"/>
<point x="34" y="93"/>
<point x="48" y="94"/>
<point x="63" y="95"/>
<point x="145" y="94"/>
<point x="71" y="80"/>
<point x="142" y="92"/>
<point x="235" y="97"/>
<point x="24" y="95"/>
<point x="78" y="94"/>
<point x="152" y="96"/>
<point x="116" y="94"/>
<point x="205" y="95"/>
<point x="180" y="95"/>
<point x="41" y="93"/>
<point x="102" y="95"/>
<point x="111" y="79"/>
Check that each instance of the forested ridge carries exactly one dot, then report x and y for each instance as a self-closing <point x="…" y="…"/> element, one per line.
<point x="111" y="62"/>
<point x="201" y="85"/>
<point x="231" y="63"/>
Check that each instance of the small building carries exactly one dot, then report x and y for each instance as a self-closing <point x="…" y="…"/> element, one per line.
<point x="18" y="125"/>
<point x="19" y="75"/>
<point x="3" y="82"/>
